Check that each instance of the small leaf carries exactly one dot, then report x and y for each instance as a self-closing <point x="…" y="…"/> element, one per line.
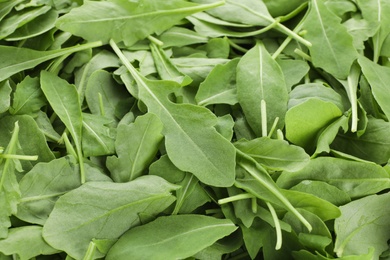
<point x="136" y="145"/>
<point x="332" y="48"/>
<point x="5" y="96"/>
<point x="180" y="236"/>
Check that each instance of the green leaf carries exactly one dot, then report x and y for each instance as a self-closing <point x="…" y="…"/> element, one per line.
<point x="165" y="68"/>
<point x="364" y="223"/>
<point x="178" y="237"/>
<point x="305" y="121"/>
<point x="136" y="146"/>
<point x="376" y="12"/>
<point x="98" y="138"/>
<point x="28" y="98"/>
<point x="357" y="179"/>
<point x="188" y="131"/>
<point x="373" y="145"/>
<point x="274" y="154"/>
<point x="103" y="210"/>
<point x="180" y="36"/>
<point x="64" y="100"/>
<point x="39" y="25"/>
<point x="11" y="23"/>
<point x="44" y="184"/>
<point x="16" y="59"/>
<point x="377" y="76"/>
<point x="26" y="242"/>
<point x="293" y="71"/>
<point x="220" y="86"/>
<point x="126" y="21"/>
<point x="332" y="48"/>
<point x="5" y="96"/>
<point x="259" y="77"/>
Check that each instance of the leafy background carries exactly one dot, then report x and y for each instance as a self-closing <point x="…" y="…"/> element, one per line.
<point x="194" y="129"/>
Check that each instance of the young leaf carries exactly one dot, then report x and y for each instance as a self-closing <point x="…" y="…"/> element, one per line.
<point x="64" y="100"/>
<point x="5" y="96"/>
<point x="332" y="48"/>
<point x="375" y="11"/>
<point x="28" y="98"/>
<point x="165" y="68"/>
<point x="136" y="145"/>
<point x="378" y="77"/>
<point x="98" y="138"/>
<point x="126" y="21"/>
<point x="357" y="179"/>
<point x="16" y="59"/>
<point x="364" y="223"/>
<point x="44" y="184"/>
<point x="259" y="77"/>
<point x="26" y="242"/>
<point x="220" y="86"/>
<point x="103" y="210"/>
<point x="180" y="36"/>
<point x="174" y="237"/>
<point x="191" y="141"/>
<point x="274" y="154"/>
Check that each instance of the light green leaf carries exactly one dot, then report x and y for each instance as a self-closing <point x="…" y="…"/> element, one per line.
<point x="274" y="154"/>
<point x="5" y="96"/>
<point x="332" y="48"/>
<point x="191" y="141"/>
<point x="378" y="77"/>
<point x="357" y="179"/>
<point x="180" y="36"/>
<point x="103" y="210"/>
<point x="293" y="71"/>
<point x="259" y="77"/>
<point x="136" y="146"/>
<point x="44" y="184"/>
<point x="364" y="223"/>
<point x="305" y="121"/>
<point x="64" y="100"/>
<point x="28" y="98"/>
<point x="39" y="25"/>
<point x="26" y="242"/>
<point x="165" y="68"/>
<point x="220" y="86"/>
<point x="20" y="18"/>
<point x="16" y="59"/>
<point x="126" y="21"/>
<point x="171" y="237"/>
<point x="98" y="138"/>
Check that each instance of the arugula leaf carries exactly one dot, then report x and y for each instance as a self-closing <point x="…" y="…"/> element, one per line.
<point x="259" y="77"/>
<point x="332" y="48"/>
<point x="185" y="144"/>
<point x="5" y="96"/>
<point x="184" y="236"/>
<point x="136" y="145"/>
<point x="26" y="242"/>
<point x="126" y="21"/>
<point x="363" y="224"/>
<point x="103" y="210"/>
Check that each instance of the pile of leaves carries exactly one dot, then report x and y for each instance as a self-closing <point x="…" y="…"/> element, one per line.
<point x="204" y="129"/>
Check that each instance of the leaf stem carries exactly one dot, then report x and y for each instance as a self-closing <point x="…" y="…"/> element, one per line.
<point x="101" y="105"/>
<point x="19" y="157"/>
<point x="274" y="191"/>
<point x="302" y="54"/>
<point x="293" y="35"/>
<point x="277" y="226"/>
<point x="273" y="127"/>
<point x="11" y="148"/>
<point x="68" y="145"/>
<point x="155" y="40"/>
<point x="90" y="251"/>
<point x="236" y="198"/>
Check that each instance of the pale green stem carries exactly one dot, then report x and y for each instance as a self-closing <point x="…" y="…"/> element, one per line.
<point x="276" y="193"/>
<point x="354" y="108"/>
<point x="236" y="198"/>
<point x="237" y="47"/>
<point x="279" y="134"/>
<point x="293" y="35"/>
<point x="302" y="54"/>
<point x="254" y="205"/>
<point x="68" y="145"/>
<point x="155" y="40"/>
<point x="277" y="226"/>
<point x="285" y="43"/>
<point x="10" y="149"/>
<point x="89" y="255"/>
<point x="19" y="157"/>
<point x="273" y="127"/>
